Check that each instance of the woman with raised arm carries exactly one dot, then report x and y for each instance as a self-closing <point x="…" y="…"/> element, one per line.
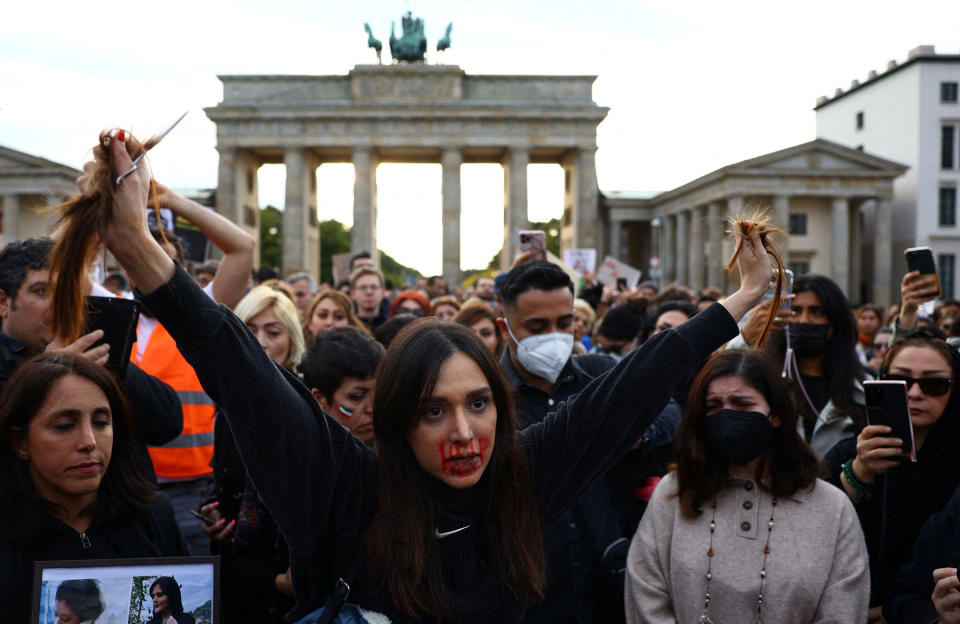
<point x="445" y="524"/>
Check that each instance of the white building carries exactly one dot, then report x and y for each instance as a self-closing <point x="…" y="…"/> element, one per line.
<point x="909" y="113"/>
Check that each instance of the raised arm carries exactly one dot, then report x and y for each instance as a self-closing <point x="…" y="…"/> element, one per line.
<point x="234" y="272"/>
<point x="587" y="435"/>
<point x="311" y="472"/>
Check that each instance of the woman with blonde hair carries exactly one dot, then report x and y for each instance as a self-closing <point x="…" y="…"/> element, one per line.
<point x="330" y="308"/>
<point x="273" y="319"/>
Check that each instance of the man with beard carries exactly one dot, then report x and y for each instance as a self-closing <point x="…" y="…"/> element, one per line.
<point x="537" y="327"/>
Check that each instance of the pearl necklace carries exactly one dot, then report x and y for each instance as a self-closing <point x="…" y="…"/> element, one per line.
<point x="705" y="618"/>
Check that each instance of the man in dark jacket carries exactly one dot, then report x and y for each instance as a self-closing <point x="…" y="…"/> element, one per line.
<point x="925" y="589"/>
<point x="537" y="300"/>
<point x="24" y="303"/>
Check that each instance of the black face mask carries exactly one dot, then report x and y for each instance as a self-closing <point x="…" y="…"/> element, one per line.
<point x="809" y="339"/>
<point x="739" y="437"/>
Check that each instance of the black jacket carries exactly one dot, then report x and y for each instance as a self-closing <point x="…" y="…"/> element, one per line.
<point x="575" y="542"/>
<point x="903" y="498"/>
<point x="154" y="534"/>
<point x="938" y="546"/>
<point x="320" y="482"/>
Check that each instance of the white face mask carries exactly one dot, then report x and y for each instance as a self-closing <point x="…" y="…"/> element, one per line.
<point x="544" y="355"/>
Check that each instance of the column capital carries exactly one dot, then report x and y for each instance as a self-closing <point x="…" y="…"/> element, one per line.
<point x="451" y="157"/>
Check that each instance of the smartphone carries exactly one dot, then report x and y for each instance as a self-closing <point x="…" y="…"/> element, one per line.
<point x="921" y="259"/>
<point x="117" y="318"/>
<point x="207" y="521"/>
<point x="786" y="288"/>
<point x="535" y="240"/>
<point x="887" y="405"/>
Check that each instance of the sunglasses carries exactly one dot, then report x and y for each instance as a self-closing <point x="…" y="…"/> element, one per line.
<point x="930" y="386"/>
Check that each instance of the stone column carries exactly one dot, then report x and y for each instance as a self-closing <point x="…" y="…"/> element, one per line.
<point x="714" y="231"/>
<point x="781" y="217"/>
<point x="882" y="250"/>
<point x="296" y="212"/>
<point x="363" y="234"/>
<point x="228" y="199"/>
<point x="514" y="202"/>
<point x="581" y="225"/>
<point x="696" y="268"/>
<point x="615" y="240"/>
<point x="856" y="244"/>
<point x="840" y="244"/>
<point x="450" y="160"/>
<point x="668" y="262"/>
<point x="682" y="249"/>
<point x="586" y="213"/>
<point x="11" y="219"/>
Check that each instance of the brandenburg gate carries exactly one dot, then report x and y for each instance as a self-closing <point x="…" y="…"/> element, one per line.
<point x="406" y="113"/>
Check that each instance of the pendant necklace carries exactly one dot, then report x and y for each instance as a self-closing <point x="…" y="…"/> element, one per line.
<point x="705" y="618"/>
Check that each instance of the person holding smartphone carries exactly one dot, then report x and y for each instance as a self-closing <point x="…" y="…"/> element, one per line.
<point x="894" y="496"/>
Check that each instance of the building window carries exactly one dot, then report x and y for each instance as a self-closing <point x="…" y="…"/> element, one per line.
<point x="948" y="92"/>
<point x="860" y="120"/>
<point x="798" y="224"/>
<point x="945" y="267"/>
<point x="947" y="148"/>
<point x="948" y="206"/>
<point x="799" y="268"/>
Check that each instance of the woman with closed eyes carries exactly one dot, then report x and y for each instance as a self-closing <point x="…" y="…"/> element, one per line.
<point x="70" y="484"/>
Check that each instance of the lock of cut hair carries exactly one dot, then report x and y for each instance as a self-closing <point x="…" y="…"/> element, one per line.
<point x="741" y="229"/>
<point x="82" y="221"/>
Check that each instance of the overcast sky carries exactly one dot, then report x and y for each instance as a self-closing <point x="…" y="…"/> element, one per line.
<point x="692" y="86"/>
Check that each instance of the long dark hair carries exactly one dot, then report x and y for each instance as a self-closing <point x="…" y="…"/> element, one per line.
<point x="402" y="551"/>
<point x="124" y="489"/>
<point x="842" y="368"/>
<point x="701" y="473"/>
<point x="170" y="587"/>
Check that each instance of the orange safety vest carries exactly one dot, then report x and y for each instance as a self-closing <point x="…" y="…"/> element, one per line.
<point x="189" y="454"/>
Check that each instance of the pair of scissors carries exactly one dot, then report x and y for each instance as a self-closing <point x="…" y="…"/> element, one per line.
<point x="136" y="160"/>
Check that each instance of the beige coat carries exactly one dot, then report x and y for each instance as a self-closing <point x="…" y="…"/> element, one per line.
<point x="817" y="569"/>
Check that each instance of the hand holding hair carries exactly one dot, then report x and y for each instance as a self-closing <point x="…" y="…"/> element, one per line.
<point x="754" y="267"/>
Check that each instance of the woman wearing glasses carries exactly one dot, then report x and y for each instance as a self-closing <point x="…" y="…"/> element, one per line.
<point x="894" y="496"/>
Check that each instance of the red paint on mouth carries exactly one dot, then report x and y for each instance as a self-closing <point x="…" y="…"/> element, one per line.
<point x="463" y="460"/>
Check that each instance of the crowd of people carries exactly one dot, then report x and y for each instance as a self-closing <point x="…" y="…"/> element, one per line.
<point x="525" y="449"/>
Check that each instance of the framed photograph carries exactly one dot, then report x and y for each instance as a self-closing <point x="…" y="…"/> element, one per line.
<point x="127" y="591"/>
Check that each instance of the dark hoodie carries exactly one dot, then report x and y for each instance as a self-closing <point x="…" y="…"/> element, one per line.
<point x="903" y="498"/>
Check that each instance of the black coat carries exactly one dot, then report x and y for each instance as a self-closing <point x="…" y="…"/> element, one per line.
<point x="319" y="482"/>
<point x="154" y="534"/>
<point x="938" y="546"/>
<point x="903" y="498"/>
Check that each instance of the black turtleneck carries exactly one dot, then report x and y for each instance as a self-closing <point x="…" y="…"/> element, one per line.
<point x="319" y="482"/>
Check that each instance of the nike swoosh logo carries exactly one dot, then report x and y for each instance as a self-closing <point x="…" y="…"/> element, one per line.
<point x="449" y="533"/>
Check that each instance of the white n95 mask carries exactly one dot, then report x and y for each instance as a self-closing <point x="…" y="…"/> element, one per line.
<point x="544" y="355"/>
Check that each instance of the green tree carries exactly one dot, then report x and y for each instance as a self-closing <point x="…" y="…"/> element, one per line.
<point x="334" y="239"/>
<point x="271" y="237"/>
<point x="204" y="613"/>
<point x="138" y="596"/>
